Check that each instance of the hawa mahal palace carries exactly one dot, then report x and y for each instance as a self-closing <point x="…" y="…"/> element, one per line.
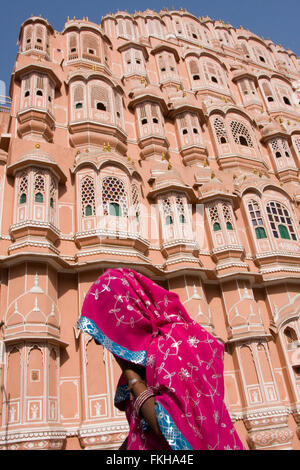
<point x="169" y="144"/>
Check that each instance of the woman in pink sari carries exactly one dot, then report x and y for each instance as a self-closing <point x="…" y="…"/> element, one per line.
<point x="171" y="387"/>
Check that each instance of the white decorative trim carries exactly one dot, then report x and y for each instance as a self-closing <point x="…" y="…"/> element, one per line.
<point x="104" y="429"/>
<point x="32" y="435"/>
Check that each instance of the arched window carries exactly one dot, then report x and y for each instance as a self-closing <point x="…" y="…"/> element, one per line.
<point x="126" y="28"/>
<point x="180" y="210"/>
<point x="214" y="218"/>
<point x="90" y="48"/>
<point x="78" y="97"/>
<point x="280" y="147"/>
<point x="23" y="189"/>
<point x="290" y="335"/>
<point x="39" y="37"/>
<point x="39" y="188"/>
<point x="87" y="196"/>
<point x="240" y="134"/>
<point x="284" y="233"/>
<point x="243" y="140"/>
<point x="135" y="199"/>
<point x="114" y="197"/>
<point x="38" y="197"/>
<point x="220" y="130"/>
<point x="213" y="73"/>
<point x="101" y="106"/>
<point x="28" y="38"/>
<point x="280" y="221"/>
<point x="23" y="198"/>
<point x="114" y="208"/>
<point x="100" y="98"/>
<point x="257" y="219"/>
<point x="260" y="233"/>
<point x="194" y="69"/>
<point x="73" y="48"/>
<point x="266" y="87"/>
<point x="216" y="227"/>
<point x="227" y="216"/>
<point x="169" y="220"/>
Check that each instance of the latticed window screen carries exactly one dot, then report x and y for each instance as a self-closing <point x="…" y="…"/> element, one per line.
<point x="40" y="82"/>
<point x="257" y="219"/>
<point x="73" y="43"/>
<point x="280" y="221"/>
<point x="118" y="104"/>
<point x="267" y="91"/>
<point x="99" y="96"/>
<point x="78" y="96"/>
<point x="52" y="193"/>
<point x="213" y="73"/>
<point x="227" y="216"/>
<point x="87" y="196"/>
<point x="114" y="197"/>
<point x="39" y="187"/>
<point x="280" y="147"/>
<point x="90" y="45"/>
<point x="180" y="209"/>
<point x="39" y="34"/>
<point x="28" y="37"/>
<point x="136" y="201"/>
<point x="194" y="69"/>
<point x="27" y="84"/>
<point x="167" y="211"/>
<point x="297" y="146"/>
<point x="220" y="131"/>
<point x="192" y="31"/>
<point x="214" y="218"/>
<point x="125" y="28"/>
<point x="23" y="189"/>
<point x="240" y="134"/>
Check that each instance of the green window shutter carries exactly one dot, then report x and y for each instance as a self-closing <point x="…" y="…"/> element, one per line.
<point x="229" y="226"/>
<point x="182" y="219"/>
<point x="260" y="233"/>
<point x="216" y="227"/>
<point x="88" y="210"/>
<point x="23" y="198"/>
<point x="284" y="233"/>
<point x="38" y="197"/>
<point x="114" y="209"/>
<point x="169" y="220"/>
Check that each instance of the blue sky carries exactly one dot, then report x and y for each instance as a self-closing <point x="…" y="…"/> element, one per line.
<point x="274" y="19"/>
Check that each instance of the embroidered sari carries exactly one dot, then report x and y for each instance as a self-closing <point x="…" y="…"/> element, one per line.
<point x="144" y="324"/>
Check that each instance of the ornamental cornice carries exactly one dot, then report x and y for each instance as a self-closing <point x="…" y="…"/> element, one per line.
<point x="92" y="430"/>
<point x="40" y="68"/>
<point x="9" y="437"/>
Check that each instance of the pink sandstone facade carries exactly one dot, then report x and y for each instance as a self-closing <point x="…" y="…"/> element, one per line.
<point x="169" y="144"/>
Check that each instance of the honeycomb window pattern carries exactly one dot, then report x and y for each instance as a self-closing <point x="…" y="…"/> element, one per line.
<point x="87" y="196"/>
<point x="114" y="192"/>
<point x="240" y="134"/>
<point x="220" y="131"/>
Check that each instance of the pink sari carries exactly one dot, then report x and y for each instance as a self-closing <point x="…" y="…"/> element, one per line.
<point x="145" y="324"/>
